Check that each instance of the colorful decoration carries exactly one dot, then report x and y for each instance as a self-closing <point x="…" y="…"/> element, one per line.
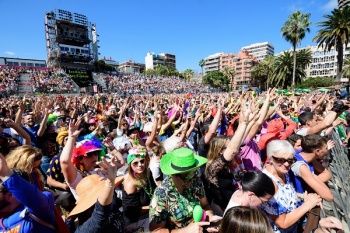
<point x="85" y="147"/>
<point x="198" y="214"/>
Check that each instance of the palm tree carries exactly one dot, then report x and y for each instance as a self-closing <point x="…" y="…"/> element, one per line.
<point x="294" y="31"/>
<point x="229" y="73"/>
<point x="188" y="73"/>
<point x="262" y="72"/>
<point x="284" y="68"/>
<point x="346" y="68"/>
<point x="202" y="64"/>
<point x="334" y="33"/>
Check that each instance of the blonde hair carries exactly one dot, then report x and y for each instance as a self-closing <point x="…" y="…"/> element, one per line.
<point x="23" y="157"/>
<point x="215" y="146"/>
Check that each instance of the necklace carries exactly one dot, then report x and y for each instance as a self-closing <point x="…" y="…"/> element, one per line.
<point x="147" y="187"/>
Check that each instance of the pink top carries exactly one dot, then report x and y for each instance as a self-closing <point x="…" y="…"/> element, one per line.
<point x="250" y="155"/>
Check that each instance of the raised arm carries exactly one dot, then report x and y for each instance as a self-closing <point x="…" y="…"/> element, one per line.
<point x="149" y="141"/>
<point x="68" y="169"/>
<point x="11" y="124"/>
<point x="213" y="126"/>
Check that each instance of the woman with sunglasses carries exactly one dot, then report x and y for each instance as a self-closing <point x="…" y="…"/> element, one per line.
<point x="138" y="189"/>
<point x="282" y="207"/>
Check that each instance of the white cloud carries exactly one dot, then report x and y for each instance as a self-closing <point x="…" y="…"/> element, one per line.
<point x="330" y="5"/>
<point x="9" y="53"/>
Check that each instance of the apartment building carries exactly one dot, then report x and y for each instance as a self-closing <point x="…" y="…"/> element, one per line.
<point x="342" y="3"/>
<point x="212" y="62"/>
<point x="260" y="50"/>
<point x="165" y="59"/>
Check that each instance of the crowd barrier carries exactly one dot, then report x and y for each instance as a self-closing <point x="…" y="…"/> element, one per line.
<point x="339" y="166"/>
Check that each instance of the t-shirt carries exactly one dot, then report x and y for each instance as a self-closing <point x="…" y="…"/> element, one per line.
<point x="302" y="131"/>
<point x="250" y="155"/>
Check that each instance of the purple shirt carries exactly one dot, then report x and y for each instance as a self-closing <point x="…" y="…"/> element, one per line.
<point x="250" y="155"/>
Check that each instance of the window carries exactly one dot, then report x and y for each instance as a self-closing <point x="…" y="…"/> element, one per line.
<point x="23" y="64"/>
<point x="29" y="64"/>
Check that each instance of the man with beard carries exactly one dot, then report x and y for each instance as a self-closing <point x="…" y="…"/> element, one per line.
<point x="23" y="208"/>
<point x="34" y="130"/>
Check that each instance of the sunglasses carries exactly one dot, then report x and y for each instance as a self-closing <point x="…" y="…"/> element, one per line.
<point x="187" y="176"/>
<point x="136" y="163"/>
<point x="282" y="160"/>
<point x="90" y="154"/>
<point x="262" y="201"/>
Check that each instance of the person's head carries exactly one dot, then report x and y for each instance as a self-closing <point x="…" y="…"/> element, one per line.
<point x="242" y="219"/>
<point x="112" y="110"/>
<point x="295" y="140"/>
<point x="13" y="143"/>
<point x="182" y="165"/>
<point x="308" y="119"/>
<point x="217" y="146"/>
<point x="8" y="202"/>
<point x="172" y="143"/>
<point x="122" y="144"/>
<point x="26" y="157"/>
<point x="92" y="125"/>
<point x="28" y="120"/>
<point x="133" y="132"/>
<point x="258" y="186"/>
<point x="137" y="162"/>
<point x="281" y="154"/>
<point x="124" y="125"/>
<point x="315" y="144"/>
<point x="62" y="136"/>
<point x="158" y="151"/>
<point x="86" y="154"/>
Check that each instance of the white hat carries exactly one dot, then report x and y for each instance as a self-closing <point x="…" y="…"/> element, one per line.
<point x="148" y="127"/>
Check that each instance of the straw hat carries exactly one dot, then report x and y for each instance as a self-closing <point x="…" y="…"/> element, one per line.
<point x="181" y="160"/>
<point x="88" y="190"/>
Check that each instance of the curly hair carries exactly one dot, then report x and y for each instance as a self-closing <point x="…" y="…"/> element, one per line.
<point x="23" y="157"/>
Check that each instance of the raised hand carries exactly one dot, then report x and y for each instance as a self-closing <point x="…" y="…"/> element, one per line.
<point x="74" y="130"/>
<point x="109" y="169"/>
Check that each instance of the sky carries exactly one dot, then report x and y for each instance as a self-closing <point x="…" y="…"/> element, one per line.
<point x="191" y="30"/>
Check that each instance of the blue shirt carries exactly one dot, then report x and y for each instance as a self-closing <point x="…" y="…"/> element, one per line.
<point x="40" y="204"/>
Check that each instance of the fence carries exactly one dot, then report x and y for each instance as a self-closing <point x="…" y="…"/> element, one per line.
<point x="339" y="166"/>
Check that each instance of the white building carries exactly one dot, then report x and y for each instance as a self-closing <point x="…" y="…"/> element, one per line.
<point x="343" y="3"/>
<point x="323" y="63"/>
<point x="212" y="62"/>
<point x="165" y="59"/>
<point x="10" y="61"/>
<point x="260" y="50"/>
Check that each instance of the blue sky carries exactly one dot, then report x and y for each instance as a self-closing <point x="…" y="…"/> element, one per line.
<point x="191" y="29"/>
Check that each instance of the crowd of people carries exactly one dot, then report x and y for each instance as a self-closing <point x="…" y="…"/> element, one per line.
<point x="140" y="84"/>
<point x="9" y="79"/>
<point x="166" y="163"/>
<point x="50" y="81"/>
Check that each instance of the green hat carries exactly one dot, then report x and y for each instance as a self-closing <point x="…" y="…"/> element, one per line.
<point x="181" y="160"/>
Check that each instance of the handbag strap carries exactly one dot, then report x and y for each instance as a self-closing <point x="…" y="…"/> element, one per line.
<point x="35" y="218"/>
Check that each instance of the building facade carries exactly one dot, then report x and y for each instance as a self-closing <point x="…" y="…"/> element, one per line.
<point x="212" y="62"/>
<point x="260" y="50"/>
<point x="71" y="40"/>
<point x="152" y="60"/>
<point x="342" y="3"/>
<point x="30" y="63"/>
<point x="131" y="67"/>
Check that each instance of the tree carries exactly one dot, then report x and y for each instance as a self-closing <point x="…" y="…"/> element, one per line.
<point x="294" y="31"/>
<point x="284" y="68"/>
<point x="216" y="79"/>
<point x="188" y="74"/>
<point x="229" y="73"/>
<point x="346" y="68"/>
<point x="334" y="33"/>
<point x="202" y="64"/>
<point x="263" y="71"/>
<point x="316" y="82"/>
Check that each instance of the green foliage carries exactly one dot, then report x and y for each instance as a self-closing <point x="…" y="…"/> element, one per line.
<point x="316" y="82"/>
<point x="263" y="71"/>
<point x="161" y="70"/>
<point x="283" y="68"/>
<point x="334" y="33"/>
<point x="188" y="74"/>
<point x="346" y="68"/>
<point x="294" y="31"/>
<point x="101" y="66"/>
<point x="216" y="79"/>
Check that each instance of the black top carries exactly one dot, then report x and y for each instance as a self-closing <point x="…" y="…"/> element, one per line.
<point x="220" y="180"/>
<point x="132" y="203"/>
